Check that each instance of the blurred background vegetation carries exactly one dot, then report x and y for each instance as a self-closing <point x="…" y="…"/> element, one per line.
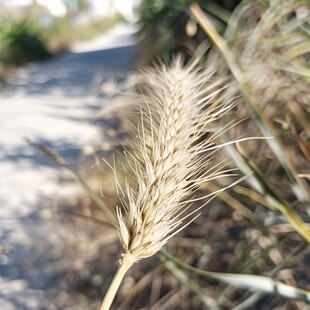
<point x="167" y="27"/>
<point x="31" y="31"/>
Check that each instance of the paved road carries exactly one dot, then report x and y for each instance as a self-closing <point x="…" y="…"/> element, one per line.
<point x="54" y="103"/>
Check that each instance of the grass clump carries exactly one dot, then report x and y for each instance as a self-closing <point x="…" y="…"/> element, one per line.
<point x="21" y="42"/>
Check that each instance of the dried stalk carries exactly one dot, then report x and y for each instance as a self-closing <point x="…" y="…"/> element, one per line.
<point x="171" y="158"/>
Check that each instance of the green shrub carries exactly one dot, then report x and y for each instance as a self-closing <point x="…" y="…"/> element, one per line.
<point x="21" y="42"/>
<point x="164" y="26"/>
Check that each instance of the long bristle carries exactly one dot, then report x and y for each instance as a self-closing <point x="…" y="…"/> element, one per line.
<point x="177" y="107"/>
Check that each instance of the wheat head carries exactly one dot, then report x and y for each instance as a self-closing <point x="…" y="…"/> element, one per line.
<point x="172" y="153"/>
<point x="178" y="106"/>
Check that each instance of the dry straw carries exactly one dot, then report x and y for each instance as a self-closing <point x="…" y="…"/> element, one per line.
<point x="172" y="155"/>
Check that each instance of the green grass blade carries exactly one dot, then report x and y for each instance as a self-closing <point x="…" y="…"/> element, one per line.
<point x="185" y="280"/>
<point x="261" y="184"/>
<point x="261" y="283"/>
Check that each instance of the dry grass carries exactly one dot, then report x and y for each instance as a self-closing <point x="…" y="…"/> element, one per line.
<point x="175" y="111"/>
<point x="259" y="226"/>
<point x="243" y="230"/>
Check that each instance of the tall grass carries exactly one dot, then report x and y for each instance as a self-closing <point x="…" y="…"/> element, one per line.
<point x="253" y="239"/>
<point x="249" y="90"/>
<point x="264" y="54"/>
<point x="177" y="110"/>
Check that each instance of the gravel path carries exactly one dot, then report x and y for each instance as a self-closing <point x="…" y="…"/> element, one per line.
<point x="53" y="103"/>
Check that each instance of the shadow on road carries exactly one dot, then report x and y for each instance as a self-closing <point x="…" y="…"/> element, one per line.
<point x="71" y="74"/>
<point x="47" y="103"/>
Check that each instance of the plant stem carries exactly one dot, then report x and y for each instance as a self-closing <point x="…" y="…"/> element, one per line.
<point x="125" y="263"/>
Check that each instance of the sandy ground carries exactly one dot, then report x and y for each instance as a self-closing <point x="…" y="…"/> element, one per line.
<point x="54" y="103"/>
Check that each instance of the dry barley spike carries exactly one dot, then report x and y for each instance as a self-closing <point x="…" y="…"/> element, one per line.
<point x="171" y="155"/>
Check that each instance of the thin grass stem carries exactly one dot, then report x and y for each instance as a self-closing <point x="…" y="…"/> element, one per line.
<point x="125" y="263"/>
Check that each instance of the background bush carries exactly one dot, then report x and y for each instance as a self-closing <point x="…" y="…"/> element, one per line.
<point x="167" y="27"/>
<point x="21" y="42"/>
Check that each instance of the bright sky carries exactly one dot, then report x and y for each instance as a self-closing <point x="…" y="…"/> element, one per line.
<point x="56" y="7"/>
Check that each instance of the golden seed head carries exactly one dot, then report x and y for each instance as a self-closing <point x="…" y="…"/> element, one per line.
<point x="178" y="107"/>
